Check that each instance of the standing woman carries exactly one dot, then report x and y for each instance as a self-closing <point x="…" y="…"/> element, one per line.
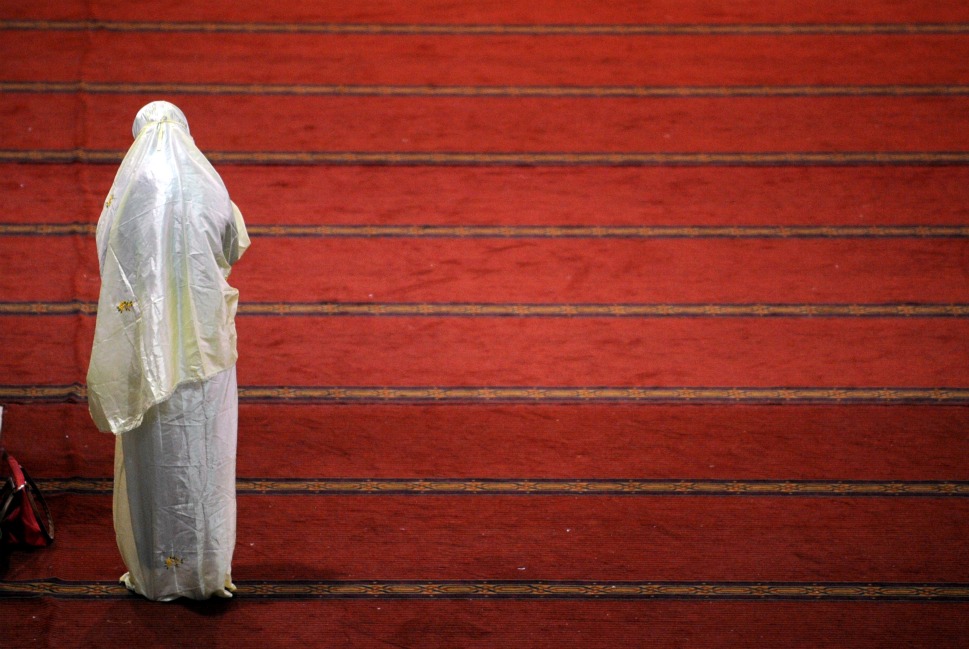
<point x="162" y="376"/>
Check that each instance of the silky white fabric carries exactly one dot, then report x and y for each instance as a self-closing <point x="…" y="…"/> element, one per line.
<point x="162" y="373"/>
<point x="166" y="239"/>
<point x="174" y="496"/>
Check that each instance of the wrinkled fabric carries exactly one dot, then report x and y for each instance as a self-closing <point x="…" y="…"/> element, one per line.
<point x="167" y="238"/>
<point x="174" y="496"/>
<point x="162" y="374"/>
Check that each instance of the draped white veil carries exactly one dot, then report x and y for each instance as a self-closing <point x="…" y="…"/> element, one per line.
<point x="166" y="240"/>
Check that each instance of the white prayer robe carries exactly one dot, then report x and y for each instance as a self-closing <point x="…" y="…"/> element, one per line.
<point x="162" y="372"/>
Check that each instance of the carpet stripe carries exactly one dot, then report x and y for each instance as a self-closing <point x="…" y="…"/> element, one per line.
<point x="551" y="231"/>
<point x="436" y="310"/>
<point x="526" y="159"/>
<point x="537" y="395"/>
<point x="481" y="91"/>
<point x="488" y="30"/>
<point x="528" y="590"/>
<point x="554" y="487"/>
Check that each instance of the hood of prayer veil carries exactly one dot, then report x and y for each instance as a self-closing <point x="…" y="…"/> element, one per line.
<point x="166" y="240"/>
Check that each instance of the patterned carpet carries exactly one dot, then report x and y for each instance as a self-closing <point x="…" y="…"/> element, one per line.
<point x="564" y="324"/>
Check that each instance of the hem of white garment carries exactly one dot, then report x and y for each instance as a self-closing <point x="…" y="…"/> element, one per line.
<point x="225" y="592"/>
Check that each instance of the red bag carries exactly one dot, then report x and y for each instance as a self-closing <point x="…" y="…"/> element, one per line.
<point x="25" y="520"/>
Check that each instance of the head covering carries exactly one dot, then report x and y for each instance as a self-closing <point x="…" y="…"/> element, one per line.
<point x="166" y="240"/>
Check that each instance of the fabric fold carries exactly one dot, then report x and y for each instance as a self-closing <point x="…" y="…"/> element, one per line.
<point x="167" y="237"/>
<point x="162" y="375"/>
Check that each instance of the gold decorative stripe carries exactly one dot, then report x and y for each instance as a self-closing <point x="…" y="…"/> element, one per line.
<point x="551" y="231"/>
<point x="610" y="310"/>
<point x="554" y="487"/>
<point x="606" y="159"/>
<point x="538" y="395"/>
<point x="76" y="307"/>
<point x="43" y="393"/>
<point x="772" y="29"/>
<point x="612" y="231"/>
<point x="515" y="589"/>
<point x="62" y="156"/>
<point x="480" y="91"/>
<point x="413" y="158"/>
<point x="605" y="394"/>
<point x="47" y="229"/>
<point x="424" y="309"/>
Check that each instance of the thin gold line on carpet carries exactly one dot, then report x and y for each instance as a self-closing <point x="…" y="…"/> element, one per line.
<point x="555" y="487"/>
<point x="485" y="310"/>
<point x="552" y="231"/>
<point x="96" y="87"/>
<point x="913" y="592"/>
<point x="771" y="29"/>
<point x="415" y="158"/>
<point x="536" y="395"/>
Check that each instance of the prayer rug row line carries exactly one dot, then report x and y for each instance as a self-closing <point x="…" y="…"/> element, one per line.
<point x="514" y="589"/>
<point x="555" y="487"/>
<point x="775" y="29"/>
<point x="419" y="158"/>
<point x="552" y="231"/>
<point x="957" y="396"/>
<point x="424" y="309"/>
<point x="482" y="91"/>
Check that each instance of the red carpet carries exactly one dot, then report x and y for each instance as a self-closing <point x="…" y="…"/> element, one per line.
<point x="565" y="323"/>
